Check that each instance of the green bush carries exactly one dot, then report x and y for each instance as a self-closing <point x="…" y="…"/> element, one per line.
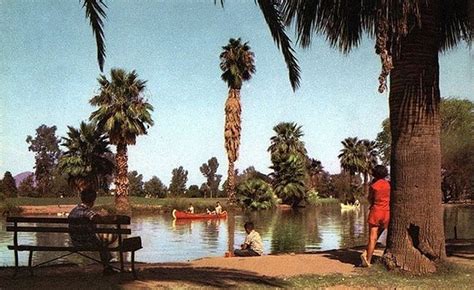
<point x="2" y="196"/>
<point x="256" y="194"/>
<point x="312" y="197"/>
<point x="10" y="209"/>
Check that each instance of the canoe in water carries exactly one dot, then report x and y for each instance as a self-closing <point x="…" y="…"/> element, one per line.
<point x="177" y="214"/>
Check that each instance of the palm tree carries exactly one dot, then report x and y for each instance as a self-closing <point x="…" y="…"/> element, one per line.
<point x="352" y="159"/>
<point x="370" y="154"/>
<point x="289" y="179"/>
<point x="288" y="155"/>
<point x="237" y="64"/>
<point x="409" y="35"/>
<point x="123" y="113"/>
<point x="287" y="140"/>
<point x="86" y="161"/>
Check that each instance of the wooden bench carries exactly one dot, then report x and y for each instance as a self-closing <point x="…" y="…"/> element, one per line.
<point x="119" y="226"/>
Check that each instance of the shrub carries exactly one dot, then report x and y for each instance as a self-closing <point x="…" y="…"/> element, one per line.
<point x="10" y="209"/>
<point x="256" y="194"/>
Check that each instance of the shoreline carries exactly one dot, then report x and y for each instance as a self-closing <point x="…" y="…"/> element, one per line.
<point x="62" y="209"/>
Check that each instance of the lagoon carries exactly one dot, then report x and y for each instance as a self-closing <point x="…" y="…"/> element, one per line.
<point x="310" y="229"/>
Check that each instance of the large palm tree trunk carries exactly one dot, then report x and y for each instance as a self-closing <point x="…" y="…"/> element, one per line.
<point x="121" y="180"/>
<point x="232" y="129"/>
<point x="416" y="235"/>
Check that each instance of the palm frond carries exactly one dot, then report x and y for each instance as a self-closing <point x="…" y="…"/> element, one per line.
<point x="95" y="11"/>
<point x="272" y="15"/>
<point x="455" y="23"/>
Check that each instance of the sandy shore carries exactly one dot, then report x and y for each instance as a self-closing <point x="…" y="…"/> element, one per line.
<point x="269" y="270"/>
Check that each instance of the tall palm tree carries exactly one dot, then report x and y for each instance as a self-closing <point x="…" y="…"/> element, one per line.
<point x="123" y="113"/>
<point x="370" y="155"/>
<point x="409" y="35"/>
<point x="351" y="158"/>
<point x="237" y="64"/>
<point x="86" y="161"/>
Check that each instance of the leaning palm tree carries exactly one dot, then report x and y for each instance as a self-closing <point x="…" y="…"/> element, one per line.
<point x="237" y="64"/>
<point x="123" y="113"/>
<point x="351" y="158"/>
<point x="86" y="162"/>
<point x="409" y="34"/>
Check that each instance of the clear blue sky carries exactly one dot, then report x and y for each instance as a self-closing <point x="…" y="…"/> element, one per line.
<point x="48" y="73"/>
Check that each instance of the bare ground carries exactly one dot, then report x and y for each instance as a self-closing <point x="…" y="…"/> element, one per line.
<point x="266" y="271"/>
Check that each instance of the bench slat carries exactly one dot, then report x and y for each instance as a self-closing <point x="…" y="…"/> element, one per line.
<point x="67" y="249"/>
<point x="66" y="230"/>
<point x="120" y="219"/>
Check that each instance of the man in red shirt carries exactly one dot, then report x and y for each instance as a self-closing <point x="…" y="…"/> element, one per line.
<point x="379" y="215"/>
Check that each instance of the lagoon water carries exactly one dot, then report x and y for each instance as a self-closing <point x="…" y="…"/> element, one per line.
<point x="283" y="231"/>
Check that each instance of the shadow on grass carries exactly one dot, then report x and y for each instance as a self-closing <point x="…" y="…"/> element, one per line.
<point x="160" y="275"/>
<point x="347" y="256"/>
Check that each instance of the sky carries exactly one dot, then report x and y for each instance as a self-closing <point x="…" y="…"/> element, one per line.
<point x="48" y="73"/>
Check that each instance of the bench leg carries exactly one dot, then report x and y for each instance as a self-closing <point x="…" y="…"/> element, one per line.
<point x="121" y="261"/>
<point x="16" y="263"/>
<point x="30" y="262"/>
<point x="133" y="265"/>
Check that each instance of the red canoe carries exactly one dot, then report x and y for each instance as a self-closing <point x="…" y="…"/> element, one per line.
<point x="177" y="214"/>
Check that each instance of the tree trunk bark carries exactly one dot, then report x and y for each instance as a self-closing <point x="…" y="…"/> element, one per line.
<point x="230" y="231"/>
<point x="416" y="241"/>
<point x="232" y="129"/>
<point x="231" y="182"/>
<point x="121" y="180"/>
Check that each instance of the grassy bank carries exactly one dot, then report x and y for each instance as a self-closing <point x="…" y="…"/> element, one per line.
<point x="451" y="277"/>
<point x="139" y="204"/>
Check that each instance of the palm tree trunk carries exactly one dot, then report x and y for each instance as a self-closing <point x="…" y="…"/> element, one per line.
<point x="416" y="241"/>
<point x="232" y="129"/>
<point x="121" y="180"/>
<point x="230" y="231"/>
<point x="231" y="182"/>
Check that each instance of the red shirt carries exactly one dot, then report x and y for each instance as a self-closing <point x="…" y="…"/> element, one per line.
<point x="380" y="192"/>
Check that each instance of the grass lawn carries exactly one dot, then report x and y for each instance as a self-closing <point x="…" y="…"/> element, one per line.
<point x="452" y="277"/>
<point x="103" y="200"/>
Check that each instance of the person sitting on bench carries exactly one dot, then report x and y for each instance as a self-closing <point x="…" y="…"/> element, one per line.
<point x="83" y="234"/>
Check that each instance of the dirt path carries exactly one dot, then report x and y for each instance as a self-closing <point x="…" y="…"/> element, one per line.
<point x="270" y="271"/>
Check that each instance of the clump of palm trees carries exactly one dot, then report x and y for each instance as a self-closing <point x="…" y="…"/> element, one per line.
<point x="237" y="64"/>
<point x="87" y="161"/>
<point x="288" y="156"/>
<point x="358" y="157"/>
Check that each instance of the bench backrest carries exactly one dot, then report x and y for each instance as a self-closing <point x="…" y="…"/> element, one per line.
<point x="61" y="225"/>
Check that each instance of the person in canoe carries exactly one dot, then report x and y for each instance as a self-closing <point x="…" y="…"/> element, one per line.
<point x="217" y="209"/>
<point x="253" y="245"/>
<point x="190" y="208"/>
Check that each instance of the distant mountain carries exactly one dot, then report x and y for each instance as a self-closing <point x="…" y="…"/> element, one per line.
<point x="22" y="176"/>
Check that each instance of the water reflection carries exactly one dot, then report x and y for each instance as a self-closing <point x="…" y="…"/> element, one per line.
<point x="306" y="230"/>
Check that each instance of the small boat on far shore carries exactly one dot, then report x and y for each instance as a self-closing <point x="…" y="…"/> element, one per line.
<point x="177" y="214"/>
<point x="349" y="206"/>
